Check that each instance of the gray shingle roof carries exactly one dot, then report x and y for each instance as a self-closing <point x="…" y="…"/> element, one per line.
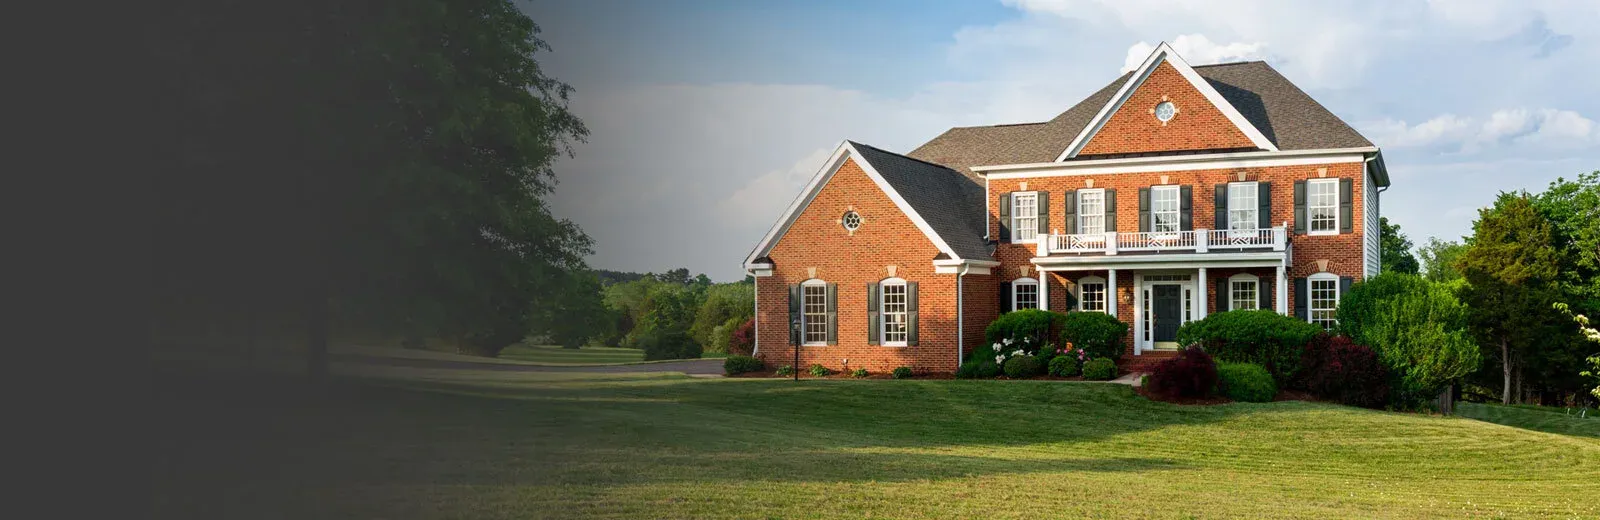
<point x="951" y="203"/>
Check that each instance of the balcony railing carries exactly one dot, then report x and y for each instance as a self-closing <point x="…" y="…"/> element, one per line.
<point x="1196" y="241"/>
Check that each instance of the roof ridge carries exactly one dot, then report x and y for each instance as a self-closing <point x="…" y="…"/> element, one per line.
<point x="1245" y="62"/>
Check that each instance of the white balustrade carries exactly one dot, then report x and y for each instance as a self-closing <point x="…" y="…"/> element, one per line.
<point x="1196" y="241"/>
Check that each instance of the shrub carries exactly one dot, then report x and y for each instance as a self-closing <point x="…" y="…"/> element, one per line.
<point x="979" y="364"/>
<point x="1418" y="329"/>
<point x="743" y="340"/>
<point x="1246" y="382"/>
<point x="859" y="372"/>
<point x="786" y="370"/>
<point x="1097" y="333"/>
<point x="1065" y="366"/>
<point x="1191" y="374"/>
<point x="818" y="370"/>
<point x="1022" y="366"/>
<point x="901" y="373"/>
<point x="1338" y="369"/>
<point x="1263" y="337"/>
<point x="741" y="364"/>
<point x="657" y="344"/>
<point x="1100" y="370"/>
<point x="1028" y="329"/>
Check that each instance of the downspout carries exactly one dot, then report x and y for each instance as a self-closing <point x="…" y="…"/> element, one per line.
<point x="755" y="329"/>
<point x="961" y="323"/>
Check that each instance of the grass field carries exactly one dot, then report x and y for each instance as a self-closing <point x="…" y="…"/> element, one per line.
<point x="1542" y="418"/>
<point x="553" y="355"/>
<point x="415" y="443"/>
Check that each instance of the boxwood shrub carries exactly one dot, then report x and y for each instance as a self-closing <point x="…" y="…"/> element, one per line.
<point x="1097" y="333"/>
<point x="1065" y="366"/>
<point x="1029" y="327"/>
<point x="1100" y="370"/>
<point x="1246" y="382"/>
<point x="1019" y="367"/>
<point x="741" y="364"/>
<point x="1263" y="337"/>
<point x="1191" y="374"/>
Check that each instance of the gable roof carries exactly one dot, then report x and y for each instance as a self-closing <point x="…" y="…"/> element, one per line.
<point x="940" y="201"/>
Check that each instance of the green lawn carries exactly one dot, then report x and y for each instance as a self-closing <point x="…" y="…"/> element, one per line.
<point x="516" y="355"/>
<point x="1542" y="418"/>
<point x="413" y="443"/>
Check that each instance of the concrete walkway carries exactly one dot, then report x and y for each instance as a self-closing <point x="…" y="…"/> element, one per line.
<point x="1130" y="379"/>
<point x="693" y="367"/>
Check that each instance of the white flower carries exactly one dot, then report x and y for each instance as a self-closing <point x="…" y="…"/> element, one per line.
<point x="1007" y="341"/>
<point x="1017" y="353"/>
<point x="1000" y="358"/>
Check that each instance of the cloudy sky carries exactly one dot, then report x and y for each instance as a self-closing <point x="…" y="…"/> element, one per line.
<point x="707" y="117"/>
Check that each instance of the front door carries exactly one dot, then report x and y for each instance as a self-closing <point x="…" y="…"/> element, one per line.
<point x="1167" y="306"/>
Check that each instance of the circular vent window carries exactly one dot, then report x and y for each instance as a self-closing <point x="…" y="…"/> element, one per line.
<point x="851" y="220"/>
<point x="1165" y="111"/>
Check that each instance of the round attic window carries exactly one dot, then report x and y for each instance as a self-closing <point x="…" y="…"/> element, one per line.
<point x="1165" y="111"/>
<point x="851" y="220"/>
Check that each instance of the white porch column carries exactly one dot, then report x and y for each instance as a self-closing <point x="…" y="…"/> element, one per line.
<point x="1200" y="293"/>
<point x="1044" y="291"/>
<point x="1282" y="288"/>
<point x="1111" y="292"/>
<point x="1138" y="314"/>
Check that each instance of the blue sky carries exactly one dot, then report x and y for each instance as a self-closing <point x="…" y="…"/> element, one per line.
<point x="708" y="116"/>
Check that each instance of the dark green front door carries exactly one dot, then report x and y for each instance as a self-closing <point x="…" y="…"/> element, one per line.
<point x="1167" y="305"/>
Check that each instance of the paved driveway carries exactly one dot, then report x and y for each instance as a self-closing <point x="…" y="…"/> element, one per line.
<point x="688" y="366"/>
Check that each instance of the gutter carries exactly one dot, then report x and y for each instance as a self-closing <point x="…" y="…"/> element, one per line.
<point x="961" y="322"/>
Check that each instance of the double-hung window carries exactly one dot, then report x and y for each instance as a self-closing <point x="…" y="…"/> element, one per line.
<point x="1024" y="294"/>
<point x="1092" y="294"/>
<point x="895" y="326"/>
<point x="1324" y="299"/>
<point x="814" y="312"/>
<point x="1322" y="206"/>
<point x="1243" y="292"/>
<point x="1024" y="216"/>
<point x="1091" y="212"/>
<point x="1243" y="209"/>
<point x="1164" y="210"/>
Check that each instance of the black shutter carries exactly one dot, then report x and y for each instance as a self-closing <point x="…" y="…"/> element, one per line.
<point x="1221" y="198"/>
<point x="1005" y="297"/>
<point x="874" y="328"/>
<point x="1264" y="294"/>
<point x="1111" y="210"/>
<point x="1044" y="213"/>
<point x="911" y="313"/>
<point x="1186" y="207"/>
<point x="1224" y="297"/>
<point x="1346" y="200"/>
<point x="1299" y="207"/>
<point x="1144" y="210"/>
<point x="833" y="314"/>
<point x="1069" y="206"/>
<point x="1344" y="288"/>
<point x="1264" y="205"/>
<point x="795" y="297"/>
<point x="1300" y="299"/>
<point x="1005" y="217"/>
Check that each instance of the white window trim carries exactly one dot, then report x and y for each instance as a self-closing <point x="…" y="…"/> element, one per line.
<point x="1079" y="204"/>
<point x="883" y="313"/>
<point x="1105" y="294"/>
<point x="1336" y="224"/>
<point x="1311" y="303"/>
<point x="1255" y="209"/>
<point x="1016" y="236"/>
<point x="1233" y="303"/>
<point x="1177" y="210"/>
<point x="1023" y="282"/>
<point x="814" y="282"/>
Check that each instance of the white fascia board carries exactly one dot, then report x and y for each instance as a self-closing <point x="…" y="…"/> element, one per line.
<point x="972" y="262"/>
<point x="1161" y="261"/>
<point x="840" y="155"/>
<point x="1176" y="163"/>
<point x="1164" y="53"/>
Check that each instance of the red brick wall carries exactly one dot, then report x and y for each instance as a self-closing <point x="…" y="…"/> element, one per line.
<point x="886" y="237"/>
<point x="1198" y="125"/>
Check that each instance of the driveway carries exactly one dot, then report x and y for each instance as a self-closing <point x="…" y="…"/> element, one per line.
<point x="687" y="366"/>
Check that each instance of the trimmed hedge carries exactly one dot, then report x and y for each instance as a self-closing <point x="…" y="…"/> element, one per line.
<point x="1191" y="374"/>
<point x="1246" y="382"/>
<point x="741" y="364"/>
<point x="1030" y="327"/>
<point x="1097" y="333"/>
<point x="1023" y="366"/>
<point x="1337" y="369"/>
<point x="1263" y="337"/>
<point x="1065" y="366"/>
<point x="1100" y="370"/>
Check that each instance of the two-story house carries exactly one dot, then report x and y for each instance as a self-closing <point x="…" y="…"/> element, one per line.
<point x="1171" y="193"/>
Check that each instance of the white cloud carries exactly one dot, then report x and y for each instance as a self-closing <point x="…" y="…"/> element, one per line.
<point x="1196" y="49"/>
<point x="1517" y="126"/>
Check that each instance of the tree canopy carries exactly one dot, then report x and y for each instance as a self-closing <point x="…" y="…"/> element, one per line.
<point x="1395" y="249"/>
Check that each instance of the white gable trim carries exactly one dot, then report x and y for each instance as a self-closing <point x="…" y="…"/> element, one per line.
<point x="840" y="155"/>
<point x="1164" y="53"/>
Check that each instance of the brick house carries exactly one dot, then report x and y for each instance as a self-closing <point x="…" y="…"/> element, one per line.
<point x="1169" y="194"/>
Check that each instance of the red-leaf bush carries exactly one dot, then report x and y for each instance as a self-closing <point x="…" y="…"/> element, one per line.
<point x="1192" y="374"/>
<point x="744" y="339"/>
<point x="1337" y="369"/>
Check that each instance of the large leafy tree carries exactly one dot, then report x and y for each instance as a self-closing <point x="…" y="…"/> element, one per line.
<point x="1510" y="265"/>
<point x="1439" y="258"/>
<point x="1418" y="328"/>
<point x="1573" y="209"/>
<point x="384" y="164"/>
<point x="1395" y="249"/>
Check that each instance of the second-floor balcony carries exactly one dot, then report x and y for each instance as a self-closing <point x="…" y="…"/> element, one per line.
<point x="1194" y="241"/>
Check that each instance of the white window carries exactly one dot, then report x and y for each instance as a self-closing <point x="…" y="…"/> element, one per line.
<point x="1244" y="292"/>
<point x="1324" y="299"/>
<point x="1024" y="294"/>
<point x="1091" y="211"/>
<point x="1242" y="206"/>
<point x="895" y="329"/>
<point x="1024" y="216"/>
<point x="1164" y="210"/>
<point x="1322" y="206"/>
<point x="1092" y="294"/>
<point x="814" y="311"/>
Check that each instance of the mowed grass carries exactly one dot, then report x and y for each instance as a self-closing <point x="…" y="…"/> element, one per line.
<point x="1542" y="418"/>
<point x="415" y="443"/>
<point x="589" y="355"/>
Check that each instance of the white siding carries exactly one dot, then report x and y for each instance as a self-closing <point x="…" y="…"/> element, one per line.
<point x="1371" y="238"/>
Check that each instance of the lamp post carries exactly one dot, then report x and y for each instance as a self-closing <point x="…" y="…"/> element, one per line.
<point x="794" y="345"/>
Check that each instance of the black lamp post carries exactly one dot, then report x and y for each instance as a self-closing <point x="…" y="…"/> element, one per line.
<point x="794" y="344"/>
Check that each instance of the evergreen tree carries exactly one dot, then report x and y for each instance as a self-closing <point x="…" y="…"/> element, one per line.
<point x="1509" y="266"/>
